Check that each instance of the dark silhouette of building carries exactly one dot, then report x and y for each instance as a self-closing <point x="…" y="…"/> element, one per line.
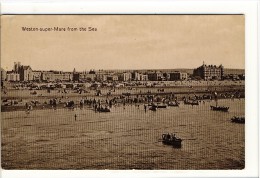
<point x="209" y="72"/>
<point x="75" y="75"/>
<point x="178" y="76"/>
<point x="92" y="72"/>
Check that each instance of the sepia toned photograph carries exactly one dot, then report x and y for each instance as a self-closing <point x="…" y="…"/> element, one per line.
<point x="123" y="92"/>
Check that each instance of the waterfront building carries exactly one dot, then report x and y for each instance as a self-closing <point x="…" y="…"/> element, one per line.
<point x="178" y="76"/>
<point x="12" y="76"/>
<point x="208" y="72"/>
<point x="37" y="75"/>
<point x="26" y="73"/>
<point x="17" y="67"/>
<point x="87" y="76"/>
<point x="56" y="76"/>
<point x="144" y="77"/>
<point x="3" y="74"/>
<point x="136" y="76"/>
<point x="126" y="76"/>
<point x="155" y="76"/>
<point x="112" y="77"/>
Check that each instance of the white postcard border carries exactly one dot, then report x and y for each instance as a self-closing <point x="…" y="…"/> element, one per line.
<point x="247" y="7"/>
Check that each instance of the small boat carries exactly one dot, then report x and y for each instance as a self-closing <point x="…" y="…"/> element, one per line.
<point x="219" y="108"/>
<point x="236" y="119"/>
<point x="151" y="104"/>
<point x="171" y="140"/>
<point x="162" y="106"/>
<point x="195" y="102"/>
<point x="153" y="108"/>
<point x="103" y="109"/>
<point x="158" y="105"/>
<point x="174" y="104"/>
<point x="190" y="102"/>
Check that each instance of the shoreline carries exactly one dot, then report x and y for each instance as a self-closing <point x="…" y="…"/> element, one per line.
<point x="90" y="107"/>
<point x="15" y="100"/>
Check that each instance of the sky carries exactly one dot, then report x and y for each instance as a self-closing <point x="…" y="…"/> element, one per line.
<point x="123" y="41"/>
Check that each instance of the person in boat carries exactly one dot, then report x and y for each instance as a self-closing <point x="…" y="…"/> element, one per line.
<point x="174" y="137"/>
<point x="168" y="136"/>
<point x="95" y="108"/>
<point x="28" y="110"/>
<point x="110" y="103"/>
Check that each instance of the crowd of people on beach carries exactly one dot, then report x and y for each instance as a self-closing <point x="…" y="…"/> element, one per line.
<point x="99" y="104"/>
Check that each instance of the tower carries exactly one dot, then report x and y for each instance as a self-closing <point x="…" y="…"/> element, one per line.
<point x="18" y="66"/>
<point x="15" y="67"/>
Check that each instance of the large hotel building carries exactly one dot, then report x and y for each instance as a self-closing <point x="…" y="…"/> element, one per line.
<point x="208" y="72"/>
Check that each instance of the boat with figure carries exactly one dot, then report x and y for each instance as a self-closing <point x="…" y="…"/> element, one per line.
<point x="153" y="108"/>
<point x="171" y="140"/>
<point x="70" y="104"/>
<point x="101" y="109"/>
<point x="236" y="119"/>
<point x="219" y="108"/>
<point x="158" y="105"/>
<point x="191" y="102"/>
<point x="174" y="104"/>
<point x="161" y="106"/>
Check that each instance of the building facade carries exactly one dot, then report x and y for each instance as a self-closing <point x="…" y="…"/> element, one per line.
<point x="209" y="72"/>
<point x="87" y="76"/>
<point x="136" y="76"/>
<point x="155" y="76"/>
<point x="26" y="73"/>
<point x="143" y="77"/>
<point x="126" y="76"/>
<point x="3" y="74"/>
<point x="37" y="75"/>
<point x="178" y="76"/>
<point x="57" y="76"/>
<point x="12" y="76"/>
<point x="112" y="77"/>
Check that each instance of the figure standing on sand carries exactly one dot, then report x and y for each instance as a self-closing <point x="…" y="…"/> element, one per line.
<point x="75" y="117"/>
<point x="95" y="106"/>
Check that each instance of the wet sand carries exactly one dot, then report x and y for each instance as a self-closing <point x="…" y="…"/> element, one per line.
<point x="124" y="139"/>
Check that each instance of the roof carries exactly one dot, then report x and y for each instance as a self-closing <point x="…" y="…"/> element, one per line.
<point x="11" y="72"/>
<point x="26" y="67"/>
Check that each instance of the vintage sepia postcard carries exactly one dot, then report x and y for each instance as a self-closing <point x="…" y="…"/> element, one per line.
<point x="122" y="92"/>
